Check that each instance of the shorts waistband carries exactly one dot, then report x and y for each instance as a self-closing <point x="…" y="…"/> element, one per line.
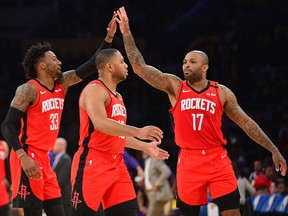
<point x="201" y="151"/>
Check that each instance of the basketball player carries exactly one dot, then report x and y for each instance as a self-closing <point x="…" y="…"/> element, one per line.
<point x="197" y="108"/>
<point x="34" y="117"/>
<point x="99" y="173"/>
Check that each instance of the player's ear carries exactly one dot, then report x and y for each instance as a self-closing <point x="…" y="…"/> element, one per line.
<point x="205" y="67"/>
<point x="109" y="67"/>
<point x="42" y="64"/>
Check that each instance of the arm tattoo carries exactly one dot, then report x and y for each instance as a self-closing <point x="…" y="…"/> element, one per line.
<point x="26" y="94"/>
<point x="132" y="51"/>
<point x="149" y="73"/>
<point x="250" y="127"/>
<point x="69" y="78"/>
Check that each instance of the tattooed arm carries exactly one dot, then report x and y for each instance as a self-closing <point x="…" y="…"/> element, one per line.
<point x="250" y="127"/>
<point x="168" y="83"/>
<point x="25" y="95"/>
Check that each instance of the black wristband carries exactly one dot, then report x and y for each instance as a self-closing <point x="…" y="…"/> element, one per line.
<point x="11" y="127"/>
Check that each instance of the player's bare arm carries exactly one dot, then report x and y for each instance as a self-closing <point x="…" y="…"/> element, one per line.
<point x="150" y="148"/>
<point x="70" y="78"/>
<point x="163" y="81"/>
<point x="250" y="127"/>
<point x="25" y="95"/>
<point x="150" y="74"/>
<point x="166" y="82"/>
<point x="94" y="100"/>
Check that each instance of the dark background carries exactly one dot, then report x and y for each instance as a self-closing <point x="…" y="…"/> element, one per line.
<point x="246" y="41"/>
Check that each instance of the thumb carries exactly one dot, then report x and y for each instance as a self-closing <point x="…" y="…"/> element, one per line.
<point x="277" y="168"/>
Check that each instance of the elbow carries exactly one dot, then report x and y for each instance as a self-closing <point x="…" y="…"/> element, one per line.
<point x="139" y="70"/>
<point x="97" y="126"/>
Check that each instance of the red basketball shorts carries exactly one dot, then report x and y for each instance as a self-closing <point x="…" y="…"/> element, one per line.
<point x="200" y="172"/>
<point x="99" y="177"/>
<point x="4" y="196"/>
<point x="26" y="190"/>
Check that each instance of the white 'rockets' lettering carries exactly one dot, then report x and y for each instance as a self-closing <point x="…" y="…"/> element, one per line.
<point x="53" y="103"/>
<point x="118" y="110"/>
<point x="198" y="103"/>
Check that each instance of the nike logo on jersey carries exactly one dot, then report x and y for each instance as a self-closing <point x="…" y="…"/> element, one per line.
<point x="58" y="90"/>
<point x="223" y="156"/>
<point x="184" y="91"/>
<point x="43" y="92"/>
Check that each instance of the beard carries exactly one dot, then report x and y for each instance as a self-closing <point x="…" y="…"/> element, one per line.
<point x="59" y="78"/>
<point x="194" y="76"/>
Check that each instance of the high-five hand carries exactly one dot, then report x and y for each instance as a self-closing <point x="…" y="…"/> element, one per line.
<point x="123" y="20"/>
<point x="154" y="151"/>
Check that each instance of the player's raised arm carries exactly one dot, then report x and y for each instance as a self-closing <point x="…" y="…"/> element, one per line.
<point x="162" y="81"/>
<point x="72" y="77"/>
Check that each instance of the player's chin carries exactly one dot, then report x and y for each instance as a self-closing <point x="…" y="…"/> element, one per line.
<point x="124" y="77"/>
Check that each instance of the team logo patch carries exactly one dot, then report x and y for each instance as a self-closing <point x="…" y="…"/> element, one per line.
<point x="23" y="192"/>
<point x="75" y="199"/>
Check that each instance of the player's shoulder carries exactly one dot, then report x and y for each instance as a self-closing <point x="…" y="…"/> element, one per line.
<point x="26" y="94"/>
<point x="27" y="88"/>
<point x="226" y="94"/>
<point x="93" y="86"/>
<point x="223" y="88"/>
<point x="95" y="89"/>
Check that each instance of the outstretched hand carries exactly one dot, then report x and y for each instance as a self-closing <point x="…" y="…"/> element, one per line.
<point x="123" y="20"/>
<point x="280" y="163"/>
<point x="112" y="26"/>
<point x="154" y="151"/>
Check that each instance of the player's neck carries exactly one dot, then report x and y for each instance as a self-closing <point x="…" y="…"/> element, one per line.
<point x="110" y="85"/>
<point x="49" y="83"/>
<point x="199" y="85"/>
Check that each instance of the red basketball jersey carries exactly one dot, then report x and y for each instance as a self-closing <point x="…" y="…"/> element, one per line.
<point x="197" y="117"/>
<point x="91" y="138"/>
<point x="41" y="121"/>
<point x="2" y="161"/>
<point x="4" y="199"/>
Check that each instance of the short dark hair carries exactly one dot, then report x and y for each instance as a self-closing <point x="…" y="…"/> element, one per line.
<point x="32" y="56"/>
<point x="103" y="57"/>
<point x="204" y="56"/>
